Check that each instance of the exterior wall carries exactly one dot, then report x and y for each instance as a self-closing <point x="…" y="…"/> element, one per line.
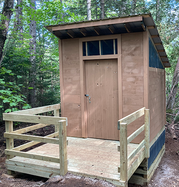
<point x="132" y="78"/>
<point x="70" y="70"/>
<point x="156" y="92"/>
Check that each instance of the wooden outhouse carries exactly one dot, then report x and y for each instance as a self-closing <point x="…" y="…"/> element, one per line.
<point x="112" y="86"/>
<point x="109" y="69"/>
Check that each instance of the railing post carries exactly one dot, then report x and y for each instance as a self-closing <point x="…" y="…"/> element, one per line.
<point x="147" y="133"/>
<point x="56" y="113"/>
<point x="63" y="147"/>
<point x="9" y="141"/>
<point x="123" y="152"/>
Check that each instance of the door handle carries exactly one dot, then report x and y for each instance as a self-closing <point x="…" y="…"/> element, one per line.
<point x="86" y="95"/>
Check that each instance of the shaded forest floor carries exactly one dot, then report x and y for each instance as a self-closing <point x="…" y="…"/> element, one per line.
<point x="166" y="174"/>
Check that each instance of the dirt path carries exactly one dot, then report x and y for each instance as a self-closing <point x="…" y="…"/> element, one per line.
<point x="166" y="175"/>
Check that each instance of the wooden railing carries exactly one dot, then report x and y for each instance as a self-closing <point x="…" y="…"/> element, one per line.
<point x="126" y="170"/>
<point x="30" y="116"/>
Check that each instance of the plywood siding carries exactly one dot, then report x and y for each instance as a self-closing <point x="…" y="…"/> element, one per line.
<point x="71" y="86"/>
<point x="156" y="100"/>
<point x="132" y="78"/>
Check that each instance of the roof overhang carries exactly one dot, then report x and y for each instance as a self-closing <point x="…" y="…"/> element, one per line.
<point x="119" y="25"/>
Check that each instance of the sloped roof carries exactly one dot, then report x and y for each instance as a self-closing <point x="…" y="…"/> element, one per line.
<point x="119" y="25"/>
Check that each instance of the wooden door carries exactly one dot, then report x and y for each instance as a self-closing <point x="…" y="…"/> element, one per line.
<point x="102" y="102"/>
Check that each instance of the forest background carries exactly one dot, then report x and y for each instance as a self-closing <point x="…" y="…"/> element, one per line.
<point x="29" y="62"/>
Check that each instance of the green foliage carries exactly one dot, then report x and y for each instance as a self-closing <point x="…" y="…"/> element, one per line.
<point x="11" y="98"/>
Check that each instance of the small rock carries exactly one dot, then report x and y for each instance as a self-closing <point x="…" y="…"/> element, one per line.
<point x="56" y="178"/>
<point x="7" y="176"/>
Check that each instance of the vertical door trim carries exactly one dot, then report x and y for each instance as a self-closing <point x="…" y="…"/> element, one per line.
<point x="119" y="78"/>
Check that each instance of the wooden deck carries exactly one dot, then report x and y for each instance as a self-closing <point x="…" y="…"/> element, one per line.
<point x="109" y="160"/>
<point x="88" y="157"/>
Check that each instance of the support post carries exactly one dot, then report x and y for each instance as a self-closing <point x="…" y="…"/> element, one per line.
<point x="123" y="152"/>
<point x="9" y="141"/>
<point x="63" y="147"/>
<point x="56" y="113"/>
<point x="147" y="133"/>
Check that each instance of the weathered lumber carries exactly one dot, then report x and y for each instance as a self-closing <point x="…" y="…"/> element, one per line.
<point x="29" y="144"/>
<point x="38" y="110"/>
<point x="123" y="152"/>
<point x="133" y="154"/>
<point x="147" y="133"/>
<point x="134" y="165"/>
<point x="56" y="113"/>
<point x="31" y="128"/>
<point x="32" y="118"/>
<point x="32" y="156"/>
<point x="132" y="117"/>
<point x="31" y="138"/>
<point x="135" y="134"/>
<point x="10" y="140"/>
<point x="63" y="148"/>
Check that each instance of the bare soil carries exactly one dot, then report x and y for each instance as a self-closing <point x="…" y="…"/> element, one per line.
<point x="166" y="175"/>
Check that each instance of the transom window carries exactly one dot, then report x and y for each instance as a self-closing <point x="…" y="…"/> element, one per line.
<point x="100" y="47"/>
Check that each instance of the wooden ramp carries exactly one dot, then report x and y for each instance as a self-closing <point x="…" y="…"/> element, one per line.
<point x="88" y="157"/>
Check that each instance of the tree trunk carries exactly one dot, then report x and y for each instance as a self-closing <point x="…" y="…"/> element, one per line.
<point x="32" y="52"/>
<point x="89" y="9"/>
<point x="18" y="24"/>
<point x="173" y="91"/>
<point x="102" y="9"/>
<point x="4" y="25"/>
<point x="134" y="6"/>
<point x="157" y="10"/>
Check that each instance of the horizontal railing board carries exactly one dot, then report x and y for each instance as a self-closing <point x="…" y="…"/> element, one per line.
<point x="131" y="156"/>
<point x="135" y="134"/>
<point x="29" y="144"/>
<point x="39" y="110"/>
<point x="132" y="117"/>
<point x="32" y="156"/>
<point x="30" y="128"/>
<point x="32" y="118"/>
<point x="31" y="138"/>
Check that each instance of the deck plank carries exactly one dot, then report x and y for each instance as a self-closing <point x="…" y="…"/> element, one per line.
<point x="88" y="157"/>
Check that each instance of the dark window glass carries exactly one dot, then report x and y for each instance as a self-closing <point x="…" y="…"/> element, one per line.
<point x="116" y="46"/>
<point x="107" y="47"/>
<point x="84" y="48"/>
<point x="93" y="48"/>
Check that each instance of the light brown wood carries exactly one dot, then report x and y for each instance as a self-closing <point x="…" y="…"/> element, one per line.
<point x="157" y="101"/>
<point x="123" y="152"/>
<point x="155" y="36"/>
<point x="31" y="155"/>
<point x="135" y="134"/>
<point x="32" y="118"/>
<point x="102" y="88"/>
<point x="72" y="106"/>
<point x="146" y="68"/>
<point x="97" y="23"/>
<point x="135" y="152"/>
<point x="30" y="138"/>
<point x="29" y="144"/>
<point x="132" y="117"/>
<point x="63" y="148"/>
<point x="57" y="114"/>
<point x="38" y="110"/>
<point x="10" y="140"/>
<point x="151" y="27"/>
<point x="30" y="128"/>
<point x="147" y="133"/>
<point x="132" y="78"/>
